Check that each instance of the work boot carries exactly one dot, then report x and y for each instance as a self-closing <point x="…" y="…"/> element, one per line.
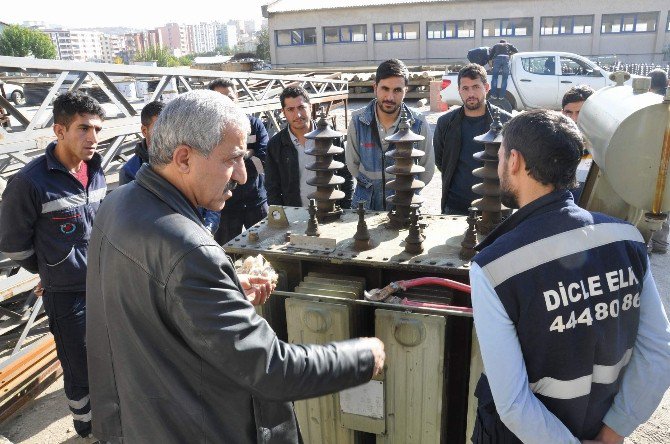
<point x="659" y="239"/>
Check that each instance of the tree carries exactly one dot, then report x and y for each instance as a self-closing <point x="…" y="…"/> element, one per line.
<point x="185" y="60"/>
<point x="263" y="48"/>
<point x="161" y="56"/>
<point x="17" y="41"/>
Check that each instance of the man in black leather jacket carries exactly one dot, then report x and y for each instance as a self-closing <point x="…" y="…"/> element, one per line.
<point x="177" y="353"/>
<point x="285" y="175"/>
<point x="453" y="139"/>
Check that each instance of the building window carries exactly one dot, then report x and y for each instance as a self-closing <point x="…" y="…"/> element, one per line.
<point x="397" y="31"/>
<point x="635" y="22"/>
<point x="459" y="29"/>
<point x="296" y="37"/>
<point x="577" y="24"/>
<point x="345" y="34"/>
<point x="514" y="27"/>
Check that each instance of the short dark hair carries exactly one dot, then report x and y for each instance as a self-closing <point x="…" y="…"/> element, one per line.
<point x="221" y="82"/>
<point x="292" y="92"/>
<point x="577" y="93"/>
<point x="549" y="142"/>
<point x="473" y="71"/>
<point x="151" y="110"/>
<point x="392" y="68"/>
<point x="69" y="104"/>
<point x="503" y="41"/>
<point x="659" y="81"/>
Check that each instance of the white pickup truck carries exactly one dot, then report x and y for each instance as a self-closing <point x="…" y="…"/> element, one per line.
<point x="538" y="79"/>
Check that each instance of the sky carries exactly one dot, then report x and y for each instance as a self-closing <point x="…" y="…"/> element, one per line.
<point x="140" y="14"/>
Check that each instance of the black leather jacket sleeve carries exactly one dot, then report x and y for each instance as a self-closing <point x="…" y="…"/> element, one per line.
<point x="438" y="145"/>
<point x="272" y="176"/>
<point x="205" y="304"/>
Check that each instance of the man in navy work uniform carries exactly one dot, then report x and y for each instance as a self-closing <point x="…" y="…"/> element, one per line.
<point x="45" y="225"/>
<point x="574" y="338"/>
<point x="369" y="126"/>
<point x="249" y="203"/>
<point x="148" y="116"/>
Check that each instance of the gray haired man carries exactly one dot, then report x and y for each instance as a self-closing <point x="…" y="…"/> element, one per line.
<point x="180" y="354"/>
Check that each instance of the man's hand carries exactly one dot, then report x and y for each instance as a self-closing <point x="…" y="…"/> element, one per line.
<point x="257" y="289"/>
<point x="377" y="348"/>
<point x="38" y="290"/>
<point x="606" y="436"/>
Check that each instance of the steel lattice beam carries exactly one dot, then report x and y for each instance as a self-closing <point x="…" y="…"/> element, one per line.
<point x="31" y="132"/>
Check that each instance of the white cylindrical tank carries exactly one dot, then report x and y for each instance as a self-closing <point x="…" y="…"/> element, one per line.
<point x="625" y="131"/>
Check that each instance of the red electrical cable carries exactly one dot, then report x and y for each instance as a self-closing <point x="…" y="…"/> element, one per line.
<point x="433" y="281"/>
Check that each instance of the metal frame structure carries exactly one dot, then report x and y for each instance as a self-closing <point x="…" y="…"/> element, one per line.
<point x="31" y="132"/>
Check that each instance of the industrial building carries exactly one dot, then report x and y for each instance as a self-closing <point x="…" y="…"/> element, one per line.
<point x="366" y="32"/>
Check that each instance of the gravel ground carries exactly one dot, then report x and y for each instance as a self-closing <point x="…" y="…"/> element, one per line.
<point x="47" y="419"/>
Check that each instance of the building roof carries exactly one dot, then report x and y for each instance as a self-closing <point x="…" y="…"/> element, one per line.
<point x="301" y="5"/>
<point x="203" y="60"/>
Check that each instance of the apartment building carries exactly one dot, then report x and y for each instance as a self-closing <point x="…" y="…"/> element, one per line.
<point x="62" y="41"/>
<point x="176" y="37"/>
<point x="203" y="37"/>
<point x="86" y="46"/>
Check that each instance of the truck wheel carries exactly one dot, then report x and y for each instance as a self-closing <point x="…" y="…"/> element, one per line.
<point x="503" y="103"/>
<point x="512" y="103"/>
<point x="18" y="98"/>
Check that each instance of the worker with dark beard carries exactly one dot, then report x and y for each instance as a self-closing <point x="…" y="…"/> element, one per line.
<point x="453" y="139"/>
<point x="371" y="125"/>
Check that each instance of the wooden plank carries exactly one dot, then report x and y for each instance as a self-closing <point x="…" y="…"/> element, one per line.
<point x="17" y="384"/>
<point x="31" y="390"/>
<point x="43" y="347"/>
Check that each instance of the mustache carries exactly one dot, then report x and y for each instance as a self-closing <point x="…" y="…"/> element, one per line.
<point x="230" y="186"/>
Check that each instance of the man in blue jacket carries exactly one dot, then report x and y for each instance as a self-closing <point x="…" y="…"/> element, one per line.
<point x="249" y="203"/>
<point x="573" y="335"/>
<point x="148" y="117"/>
<point x="45" y="225"/>
<point x="369" y="127"/>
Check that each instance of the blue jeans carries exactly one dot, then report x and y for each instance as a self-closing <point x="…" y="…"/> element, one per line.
<point x="234" y="219"/>
<point x="67" y="323"/>
<point x="500" y="67"/>
<point x="370" y="192"/>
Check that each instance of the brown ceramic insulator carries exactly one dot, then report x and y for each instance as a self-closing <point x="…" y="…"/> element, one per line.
<point x="470" y="240"/>
<point x="324" y="179"/>
<point x="312" y="223"/>
<point x="404" y="168"/>
<point x="414" y="239"/>
<point x="486" y="189"/>
<point x="489" y="205"/>
<point x="362" y="239"/>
